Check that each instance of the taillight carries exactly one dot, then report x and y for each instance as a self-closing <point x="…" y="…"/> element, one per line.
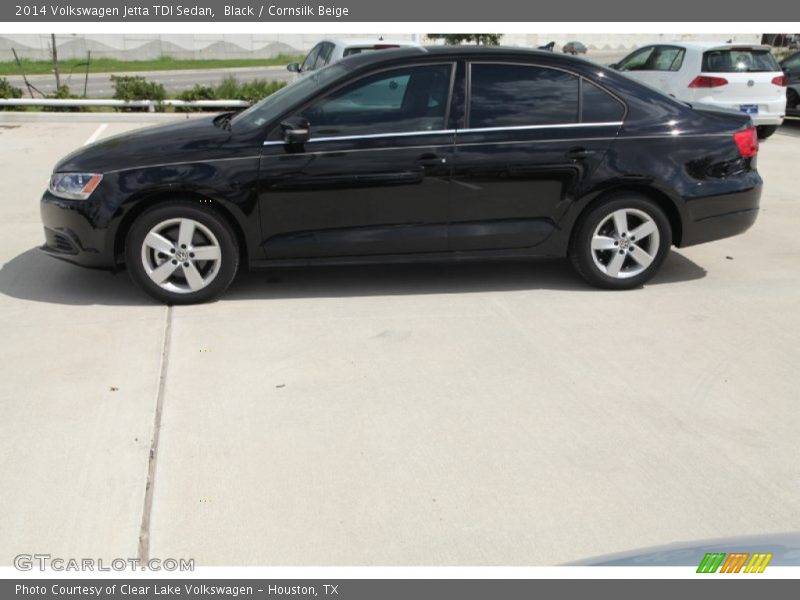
<point x="704" y="81"/>
<point x="780" y="80"/>
<point x="747" y="142"/>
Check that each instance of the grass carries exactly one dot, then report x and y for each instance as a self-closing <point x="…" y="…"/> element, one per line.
<point x="164" y="63"/>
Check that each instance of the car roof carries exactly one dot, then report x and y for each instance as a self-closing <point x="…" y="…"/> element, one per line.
<point x="707" y="45"/>
<point x="453" y="52"/>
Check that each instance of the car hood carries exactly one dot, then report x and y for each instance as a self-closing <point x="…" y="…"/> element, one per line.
<point x="185" y="141"/>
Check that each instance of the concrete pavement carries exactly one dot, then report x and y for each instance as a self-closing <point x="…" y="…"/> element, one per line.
<point x="495" y="414"/>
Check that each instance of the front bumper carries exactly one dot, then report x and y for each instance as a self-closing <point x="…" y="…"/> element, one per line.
<point x="71" y="233"/>
<point x="715" y="217"/>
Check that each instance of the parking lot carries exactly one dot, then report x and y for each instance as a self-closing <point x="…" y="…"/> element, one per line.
<point x="485" y="414"/>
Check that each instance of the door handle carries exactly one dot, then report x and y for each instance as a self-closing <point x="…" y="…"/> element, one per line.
<point x="429" y="159"/>
<point x="579" y="152"/>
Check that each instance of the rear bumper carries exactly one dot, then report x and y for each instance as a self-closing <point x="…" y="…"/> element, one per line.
<point x="769" y="113"/>
<point x="70" y="234"/>
<point x="716" y="217"/>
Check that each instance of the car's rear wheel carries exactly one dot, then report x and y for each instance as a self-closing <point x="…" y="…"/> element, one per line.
<point x="764" y="131"/>
<point x="620" y="243"/>
<point x="180" y="253"/>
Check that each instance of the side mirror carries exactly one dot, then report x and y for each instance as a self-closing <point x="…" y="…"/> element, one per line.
<point x="296" y="130"/>
<point x="293" y="67"/>
<point x="614" y="66"/>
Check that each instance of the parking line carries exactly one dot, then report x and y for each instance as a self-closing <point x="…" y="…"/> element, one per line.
<point x="96" y="134"/>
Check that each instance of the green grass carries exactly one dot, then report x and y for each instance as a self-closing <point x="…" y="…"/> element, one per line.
<point x="164" y="63"/>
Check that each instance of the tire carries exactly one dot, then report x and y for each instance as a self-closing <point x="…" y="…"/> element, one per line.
<point x="612" y="261"/>
<point x="160" y="258"/>
<point x="792" y="100"/>
<point x="764" y="131"/>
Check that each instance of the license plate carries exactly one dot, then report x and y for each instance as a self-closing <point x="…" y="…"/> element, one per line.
<point x="749" y="109"/>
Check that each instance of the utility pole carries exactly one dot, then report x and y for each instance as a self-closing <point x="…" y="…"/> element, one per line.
<point x="54" y="52"/>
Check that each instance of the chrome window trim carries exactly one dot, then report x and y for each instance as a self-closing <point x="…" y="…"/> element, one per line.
<point x="449" y="132"/>
<point x="548" y="126"/>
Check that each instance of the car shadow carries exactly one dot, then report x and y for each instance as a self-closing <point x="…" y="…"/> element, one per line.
<point x="40" y="278"/>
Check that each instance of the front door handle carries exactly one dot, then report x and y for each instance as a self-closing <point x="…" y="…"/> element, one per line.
<point x="429" y="159"/>
<point x="579" y="152"/>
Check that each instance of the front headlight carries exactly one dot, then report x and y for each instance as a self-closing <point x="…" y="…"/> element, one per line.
<point x="74" y="186"/>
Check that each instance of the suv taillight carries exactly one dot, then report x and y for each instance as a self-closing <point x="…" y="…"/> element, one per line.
<point x="704" y="81"/>
<point x="747" y="142"/>
<point x="780" y="80"/>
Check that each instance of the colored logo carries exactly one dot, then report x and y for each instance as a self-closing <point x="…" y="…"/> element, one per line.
<point x="736" y="562"/>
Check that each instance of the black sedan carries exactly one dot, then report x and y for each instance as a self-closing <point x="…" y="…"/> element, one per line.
<point x="791" y="68"/>
<point x="412" y="155"/>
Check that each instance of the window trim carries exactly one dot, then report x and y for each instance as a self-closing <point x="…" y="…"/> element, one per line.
<point x="580" y="76"/>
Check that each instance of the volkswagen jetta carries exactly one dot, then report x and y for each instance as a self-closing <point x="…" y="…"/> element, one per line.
<point x="415" y="154"/>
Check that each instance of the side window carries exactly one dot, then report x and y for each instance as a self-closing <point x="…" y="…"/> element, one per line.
<point x="514" y="95"/>
<point x="308" y="63"/>
<point x="598" y="106"/>
<point x="401" y="100"/>
<point x="636" y="61"/>
<point x="324" y="56"/>
<point x="666" y="58"/>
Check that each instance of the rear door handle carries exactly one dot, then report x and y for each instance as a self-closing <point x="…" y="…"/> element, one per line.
<point x="579" y="152"/>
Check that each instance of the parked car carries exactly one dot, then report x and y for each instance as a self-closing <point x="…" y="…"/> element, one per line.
<point x="791" y="69"/>
<point x="574" y="48"/>
<point x="742" y="77"/>
<point x="444" y="153"/>
<point x="330" y="51"/>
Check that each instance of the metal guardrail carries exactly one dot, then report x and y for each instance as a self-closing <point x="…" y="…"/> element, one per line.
<point x="149" y="104"/>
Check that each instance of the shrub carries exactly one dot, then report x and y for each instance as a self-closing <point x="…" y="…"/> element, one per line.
<point x="198" y="92"/>
<point x="63" y="93"/>
<point x="9" y="91"/>
<point x="135" y="87"/>
<point x="229" y="89"/>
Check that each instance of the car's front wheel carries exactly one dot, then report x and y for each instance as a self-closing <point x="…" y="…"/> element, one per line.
<point x="621" y="243"/>
<point x="180" y="253"/>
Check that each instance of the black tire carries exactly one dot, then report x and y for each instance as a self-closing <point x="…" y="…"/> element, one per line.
<point x="210" y="229"/>
<point x="764" y="131"/>
<point x="792" y="100"/>
<point x="637" y="207"/>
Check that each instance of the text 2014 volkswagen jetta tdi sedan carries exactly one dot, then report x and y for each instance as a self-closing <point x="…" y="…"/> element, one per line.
<point x="408" y="155"/>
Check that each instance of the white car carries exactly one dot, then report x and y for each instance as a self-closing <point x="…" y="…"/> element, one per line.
<point x="743" y="77"/>
<point x="330" y="51"/>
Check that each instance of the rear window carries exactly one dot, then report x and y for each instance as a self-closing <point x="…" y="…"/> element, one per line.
<point x="736" y="60"/>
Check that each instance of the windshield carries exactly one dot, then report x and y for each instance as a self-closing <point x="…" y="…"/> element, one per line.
<point x="276" y="104"/>
<point x="739" y="60"/>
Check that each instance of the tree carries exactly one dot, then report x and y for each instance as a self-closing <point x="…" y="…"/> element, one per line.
<point x="481" y="39"/>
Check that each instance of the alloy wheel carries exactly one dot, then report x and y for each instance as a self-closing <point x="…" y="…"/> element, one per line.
<point x="181" y="255"/>
<point x="625" y="243"/>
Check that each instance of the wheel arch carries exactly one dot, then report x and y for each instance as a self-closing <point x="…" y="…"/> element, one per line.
<point x="154" y="199"/>
<point x="662" y="200"/>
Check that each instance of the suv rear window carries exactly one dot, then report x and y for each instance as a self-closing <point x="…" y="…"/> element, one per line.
<point x="739" y="60"/>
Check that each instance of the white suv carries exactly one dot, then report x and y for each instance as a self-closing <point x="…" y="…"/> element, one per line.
<point x="743" y="77"/>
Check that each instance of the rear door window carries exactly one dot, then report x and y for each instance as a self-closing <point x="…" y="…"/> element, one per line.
<point x="666" y="58"/>
<point x="739" y="60"/>
<point x="504" y="95"/>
